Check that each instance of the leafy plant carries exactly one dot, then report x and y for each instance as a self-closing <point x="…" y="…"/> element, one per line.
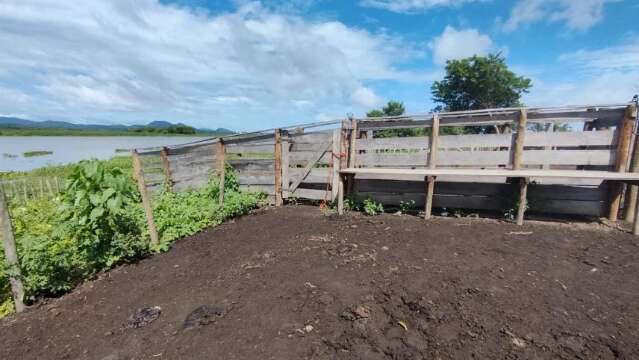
<point x="371" y="207"/>
<point x="94" y="205"/>
<point x="407" y="206"/>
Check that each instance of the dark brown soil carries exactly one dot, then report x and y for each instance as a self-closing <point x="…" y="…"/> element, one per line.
<point x="292" y="283"/>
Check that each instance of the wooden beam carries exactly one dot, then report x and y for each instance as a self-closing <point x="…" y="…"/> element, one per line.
<point x="633" y="190"/>
<point x="430" y="189"/>
<point x="520" y="138"/>
<point x="286" y="158"/>
<point x="635" y="225"/>
<point x="353" y="144"/>
<point x="340" y="195"/>
<point x="434" y="142"/>
<point x="309" y="166"/>
<point x="523" y="201"/>
<point x="138" y="173"/>
<point x="11" y="255"/>
<point x="278" y="168"/>
<point x="621" y="162"/>
<point x="220" y="153"/>
<point x="166" y="166"/>
<point x="335" y="162"/>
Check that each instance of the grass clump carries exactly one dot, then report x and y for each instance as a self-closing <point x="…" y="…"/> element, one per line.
<point x="35" y="153"/>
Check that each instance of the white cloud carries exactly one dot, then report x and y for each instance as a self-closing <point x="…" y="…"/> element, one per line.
<point x="607" y="75"/>
<point x="407" y="6"/>
<point x="456" y="44"/>
<point x="142" y="60"/>
<point x="577" y="14"/>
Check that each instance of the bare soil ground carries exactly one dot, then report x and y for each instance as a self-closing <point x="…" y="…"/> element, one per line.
<point x="291" y="283"/>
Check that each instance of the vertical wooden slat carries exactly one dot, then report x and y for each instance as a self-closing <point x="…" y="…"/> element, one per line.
<point x="340" y="195"/>
<point x="286" y="153"/>
<point x="278" y="168"/>
<point x="621" y="162"/>
<point x="220" y="154"/>
<point x="11" y="255"/>
<point x="166" y="166"/>
<point x="518" y="150"/>
<point x="633" y="190"/>
<point x="353" y="144"/>
<point x="146" y="200"/>
<point x="523" y="201"/>
<point x="434" y="142"/>
<point x="430" y="189"/>
<point x="335" y="162"/>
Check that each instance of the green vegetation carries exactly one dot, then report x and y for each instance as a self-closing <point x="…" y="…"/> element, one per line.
<point x="9" y="156"/>
<point x="36" y="153"/>
<point x="98" y="222"/>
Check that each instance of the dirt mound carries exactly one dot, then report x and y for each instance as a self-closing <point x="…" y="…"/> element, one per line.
<point x="291" y="283"/>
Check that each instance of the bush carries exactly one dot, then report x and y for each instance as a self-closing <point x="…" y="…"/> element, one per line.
<point x="371" y="207"/>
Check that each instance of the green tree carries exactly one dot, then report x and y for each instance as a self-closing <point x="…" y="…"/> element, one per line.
<point x="393" y="108"/>
<point x="479" y="83"/>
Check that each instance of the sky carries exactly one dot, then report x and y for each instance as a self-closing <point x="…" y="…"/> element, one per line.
<point x="249" y="65"/>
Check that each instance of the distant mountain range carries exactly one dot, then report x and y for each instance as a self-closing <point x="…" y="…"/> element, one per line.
<point x="18" y="123"/>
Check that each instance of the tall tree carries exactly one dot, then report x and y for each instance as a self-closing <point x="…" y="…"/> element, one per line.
<point x="479" y="83"/>
<point x="393" y="108"/>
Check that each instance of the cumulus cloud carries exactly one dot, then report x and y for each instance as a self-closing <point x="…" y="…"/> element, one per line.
<point x="607" y="75"/>
<point x="578" y="15"/>
<point x="406" y="6"/>
<point x="456" y="44"/>
<point x="136" y="60"/>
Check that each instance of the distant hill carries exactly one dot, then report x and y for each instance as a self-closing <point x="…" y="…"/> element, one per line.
<point x="18" y="123"/>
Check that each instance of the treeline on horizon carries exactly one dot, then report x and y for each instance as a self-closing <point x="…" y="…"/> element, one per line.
<point x="138" y="131"/>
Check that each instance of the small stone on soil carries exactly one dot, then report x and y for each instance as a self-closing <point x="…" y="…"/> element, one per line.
<point x="143" y="317"/>
<point x="204" y="315"/>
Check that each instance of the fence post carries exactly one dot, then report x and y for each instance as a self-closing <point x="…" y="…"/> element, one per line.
<point x="146" y="200"/>
<point x="631" y="197"/>
<point x="220" y="154"/>
<point x="278" y="168"/>
<point x="286" y="146"/>
<point x="432" y="162"/>
<point x="11" y="255"/>
<point x="166" y="166"/>
<point x="518" y="153"/>
<point x="621" y="161"/>
<point x="335" y="162"/>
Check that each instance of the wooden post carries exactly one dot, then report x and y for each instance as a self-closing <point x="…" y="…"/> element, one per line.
<point x="278" y="168"/>
<point x="335" y="162"/>
<point x="11" y="255"/>
<point x="635" y="224"/>
<point x="523" y="201"/>
<point x="519" y="140"/>
<point x="631" y="194"/>
<point x="340" y="196"/>
<point x="353" y="144"/>
<point x="146" y="200"/>
<point x="286" y="153"/>
<point x="166" y="166"/>
<point x="623" y="149"/>
<point x="220" y="154"/>
<point x="434" y="142"/>
<point x="430" y="189"/>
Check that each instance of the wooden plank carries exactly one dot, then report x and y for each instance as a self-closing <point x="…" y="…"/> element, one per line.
<point x="316" y="175"/>
<point x="623" y="149"/>
<point x="256" y="179"/>
<point x="579" y="174"/>
<point x="146" y="199"/>
<point x="335" y="162"/>
<point x="311" y="194"/>
<point x="11" y="255"/>
<point x="286" y="158"/>
<point x="352" y="149"/>
<point x="631" y="196"/>
<point x="248" y="148"/>
<point x="303" y="158"/>
<point x="253" y="165"/>
<point x="166" y="166"/>
<point x="311" y="163"/>
<point x="340" y="195"/>
<point x="278" y="168"/>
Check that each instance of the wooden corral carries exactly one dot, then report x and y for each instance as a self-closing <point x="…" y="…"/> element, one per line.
<point x="304" y="161"/>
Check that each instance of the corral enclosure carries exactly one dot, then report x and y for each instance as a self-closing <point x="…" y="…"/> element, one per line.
<point x="304" y="161"/>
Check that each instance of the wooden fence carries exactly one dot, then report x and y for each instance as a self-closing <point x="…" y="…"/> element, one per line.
<point x="304" y="163"/>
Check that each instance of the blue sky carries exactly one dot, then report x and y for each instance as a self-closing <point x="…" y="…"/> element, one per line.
<point x="248" y="65"/>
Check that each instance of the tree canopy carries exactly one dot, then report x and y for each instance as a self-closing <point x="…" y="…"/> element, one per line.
<point x="392" y="108"/>
<point x="479" y="83"/>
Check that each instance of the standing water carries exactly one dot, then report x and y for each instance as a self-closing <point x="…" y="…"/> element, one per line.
<point x="69" y="149"/>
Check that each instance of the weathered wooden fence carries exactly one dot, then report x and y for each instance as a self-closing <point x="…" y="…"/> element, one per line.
<point x="301" y="163"/>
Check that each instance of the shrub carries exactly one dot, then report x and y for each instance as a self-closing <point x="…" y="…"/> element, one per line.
<point x="371" y="207"/>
